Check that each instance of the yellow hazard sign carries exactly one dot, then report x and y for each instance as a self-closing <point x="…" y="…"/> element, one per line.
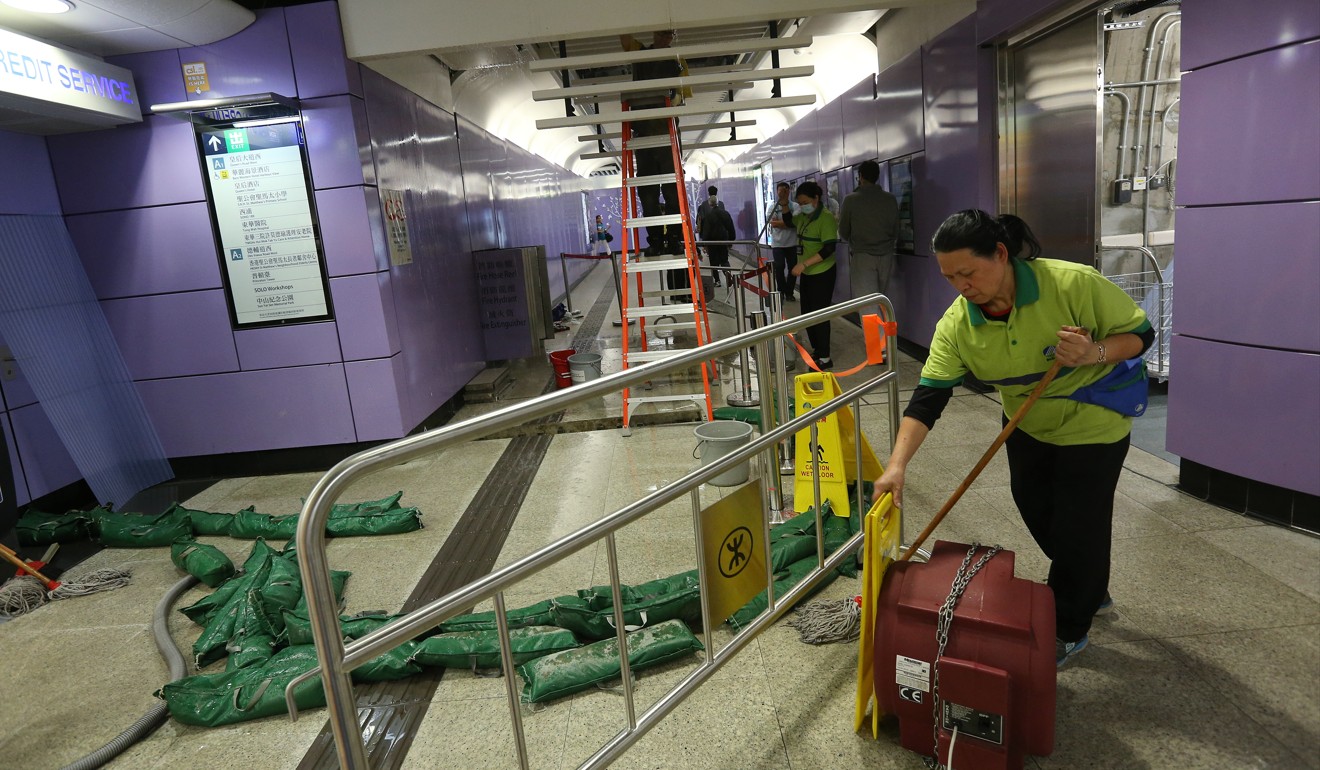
<point x="836" y="448"/>
<point x="733" y="550"/>
<point x="882" y="541"/>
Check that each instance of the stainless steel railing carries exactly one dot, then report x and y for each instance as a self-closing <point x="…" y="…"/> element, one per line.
<point x="337" y="660"/>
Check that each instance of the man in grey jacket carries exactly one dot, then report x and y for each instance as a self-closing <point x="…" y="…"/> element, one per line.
<point x="868" y="221"/>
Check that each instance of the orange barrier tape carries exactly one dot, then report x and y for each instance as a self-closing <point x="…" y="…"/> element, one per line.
<point x="876" y="333"/>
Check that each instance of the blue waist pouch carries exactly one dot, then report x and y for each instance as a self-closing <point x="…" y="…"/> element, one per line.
<point x="1123" y="390"/>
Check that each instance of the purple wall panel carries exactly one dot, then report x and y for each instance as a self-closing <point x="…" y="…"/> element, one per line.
<point x="899" y="109"/>
<point x="352" y="230"/>
<point x="268" y="409"/>
<point x="365" y="312"/>
<point x="21" y="496"/>
<point x="946" y="179"/>
<point x="1267" y="253"/>
<point x="483" y="159"/>
<point x="152" y="163"/>
<point x="173" y="335"/>
<point x="859" y="122"/>
<point x="158" y="76"/>
<point x="1227" y="417"/>
<point x="739" y="196"/>
<point x="1270" y="140"/>
<point x="416" y="150"/>
<point x="295" y="345"/>
<point x="147" y="251"/>
<point x="997" y="17"/>
<point x="47" y="465"/>
<point x="29" y="181"/>
<point x="339" y="153"/>
<point x="254" y="61"/>
<point x="317" y="42"/>
<point x="373" y="387"/>
<point x="1224" y="29"/>
<point x="17" y="392"/>
<point x="829" y="136"/>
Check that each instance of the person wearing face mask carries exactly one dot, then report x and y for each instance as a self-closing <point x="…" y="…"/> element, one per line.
<point x="1018" y="315"/>
<point x="818" y="234"/>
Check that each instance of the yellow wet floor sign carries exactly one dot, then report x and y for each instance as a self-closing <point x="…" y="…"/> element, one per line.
<point x="880" y="548"/>
<point x="733" y="550"/>
<point x="836" y="448"/>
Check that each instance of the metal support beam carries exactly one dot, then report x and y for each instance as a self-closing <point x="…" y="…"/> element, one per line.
<point x="678" y="112"/>
<point x="731" y="48"/>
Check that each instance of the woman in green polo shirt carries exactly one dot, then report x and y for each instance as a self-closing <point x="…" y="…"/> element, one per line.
<point x="1016" y="315"/>
<point x="818" y="234"/>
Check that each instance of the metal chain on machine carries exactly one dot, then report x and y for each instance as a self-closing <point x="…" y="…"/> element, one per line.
<point x="961" y="579"/>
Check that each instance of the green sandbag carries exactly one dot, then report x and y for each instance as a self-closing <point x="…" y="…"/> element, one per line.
<point x="298" y="626"/>
<point x="283" y="586"/>
<point x="211" y="700"/>
<point x="205" y="608"/>
<point x="481" y="649"/>
<point x="207" y="522"/>
<point x="253" y="642"/>
<point x="374" y="522"/>
<point x="532" y="615"/>
<point x="576" y="615"/>
<point x="601" y="597"/>
<point x="338" y="578"/>
<point x="389" y="666"/>
<point x="204" y="562"/>
<point x="37" y="528"/>
<point x="248" y="525"/>
<point x="367" y="506"/>
<point x="136" y="530"/>
<point x="564" y="673"/>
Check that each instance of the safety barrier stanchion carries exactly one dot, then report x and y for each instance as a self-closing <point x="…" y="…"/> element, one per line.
<point x="614" y="265"/>
<point x="568" y="290"/>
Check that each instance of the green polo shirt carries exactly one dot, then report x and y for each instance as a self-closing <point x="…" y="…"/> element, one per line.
<point x="813" y="233"/>
<point x="1013" y="355"/>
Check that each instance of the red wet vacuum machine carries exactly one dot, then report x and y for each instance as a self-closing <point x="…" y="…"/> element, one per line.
<point x="964" y="658"/>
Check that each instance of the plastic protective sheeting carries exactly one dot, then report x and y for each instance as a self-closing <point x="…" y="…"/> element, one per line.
<point x="53" y="323"/>
<point x="565" y="673"/>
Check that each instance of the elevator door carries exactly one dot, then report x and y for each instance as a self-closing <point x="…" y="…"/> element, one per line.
<point x="1048" y="137"/>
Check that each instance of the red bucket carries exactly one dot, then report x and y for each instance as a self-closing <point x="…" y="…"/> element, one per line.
<point x="559" y="359"/>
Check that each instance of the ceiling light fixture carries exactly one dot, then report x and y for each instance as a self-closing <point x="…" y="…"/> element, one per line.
<point x="40" y="6"/>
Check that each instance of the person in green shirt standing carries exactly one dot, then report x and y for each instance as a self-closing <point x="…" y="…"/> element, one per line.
<point x="1018" y="315"/>
<point x="818" y="234"/>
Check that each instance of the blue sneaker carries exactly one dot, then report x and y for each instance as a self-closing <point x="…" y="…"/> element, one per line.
<point x="1064" y="651"/>
<point x="1106" y="606"/>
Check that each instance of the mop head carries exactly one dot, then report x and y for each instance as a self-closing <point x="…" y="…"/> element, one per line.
<point x="826" y="621"/>
<point x="21" y="595"/>
<point x="105" y="579"/>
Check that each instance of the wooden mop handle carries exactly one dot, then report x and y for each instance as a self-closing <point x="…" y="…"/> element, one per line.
<point x="12" y="558"/>
<point x="984" y="461"/>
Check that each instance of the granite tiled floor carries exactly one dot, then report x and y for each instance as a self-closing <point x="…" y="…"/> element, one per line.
<point x="1210" y="661"/>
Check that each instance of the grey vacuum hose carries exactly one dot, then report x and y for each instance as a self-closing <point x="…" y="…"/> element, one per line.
<point x="178" y="669"/>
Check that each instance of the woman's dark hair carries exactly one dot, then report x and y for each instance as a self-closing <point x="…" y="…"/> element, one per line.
<point x="976" y="230"/>
<point x="809" y="189"/>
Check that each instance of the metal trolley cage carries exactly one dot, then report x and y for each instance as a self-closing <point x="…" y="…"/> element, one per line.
<point x="337" y="659"/>
<point x="1155" y="295"/>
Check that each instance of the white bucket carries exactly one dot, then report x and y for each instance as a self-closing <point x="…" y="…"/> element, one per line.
<point x="584" y="366"/>
<point x="715" y="440"/>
